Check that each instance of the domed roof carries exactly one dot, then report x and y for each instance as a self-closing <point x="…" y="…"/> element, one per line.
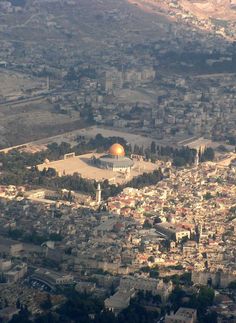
<point x="117" y="150"/>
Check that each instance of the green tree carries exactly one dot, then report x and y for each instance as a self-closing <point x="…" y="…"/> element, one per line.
<point x="147" y="224"/>
<point x="46" y="304"/>
<point x="205" y="298"/>
<point x="232" y="285"/>
<point x="208" y="196"/>
<point x="153" y="147"/>
<point x="210" y="318"/>
<point x="179" y="162"/>
<point x="208" y="154"/>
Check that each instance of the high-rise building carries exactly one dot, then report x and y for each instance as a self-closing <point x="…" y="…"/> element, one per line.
<point x="113" y="80"/>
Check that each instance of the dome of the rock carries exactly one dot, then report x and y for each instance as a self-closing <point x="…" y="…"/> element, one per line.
<point x="117" y="150"/>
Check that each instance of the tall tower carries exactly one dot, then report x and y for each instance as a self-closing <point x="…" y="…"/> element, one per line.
<point x="48" y="83"/>
<point x="200" y="231"/>
<point x="196" y="161"/>
<point x="98" y="194"/>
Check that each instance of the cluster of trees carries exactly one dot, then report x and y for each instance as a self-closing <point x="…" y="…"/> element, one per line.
<point x="208" y="154"/>
<point x="18" y="3"/>
<point x="232" y="285"/>
<point x="75" y="74"/>
<point x="46" y="304"/>
<point x="19" y="169"/>
<point x="147" y="298"/>
<point x="197" y="62"/>
<point x="48" y="179"/>
<point x="102" y="144"/>
<point x="184" y="156"/>
<point x="23" y="316"/>
<point x="154" y="271"/>
<point x="200" y="301"/>
<point x="16" y="159"/>
<point x="208" y="196"/>
<point x="232" y="140"/>
<point x="232" y="210"/>
<point x="84" y="308"/>
<point x="146" y="179"/>
<point x="2" y="279"/>
<point x="140" y="181"/>
<point x="33" y="237"/>
<point x="183" y="279"/>
<point x="181" y="157"/>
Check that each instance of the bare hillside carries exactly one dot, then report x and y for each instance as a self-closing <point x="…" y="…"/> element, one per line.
<point x="211" y="15"/>
<point x="218" y="9"/>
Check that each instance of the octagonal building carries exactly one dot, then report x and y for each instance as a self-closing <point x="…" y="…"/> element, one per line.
<point x="116" y="160"/>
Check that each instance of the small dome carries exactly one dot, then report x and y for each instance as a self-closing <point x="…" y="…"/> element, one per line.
<point x="117" y="150"/>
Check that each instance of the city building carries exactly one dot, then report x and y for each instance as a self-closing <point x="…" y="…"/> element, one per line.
<point x="16" y="273"/>
<point x="120" y="300"/>
<point x="7" y="313"/>
<point x="183" y="315"/>
<point x="113" y="79"/>
<point x="173" y="231"/>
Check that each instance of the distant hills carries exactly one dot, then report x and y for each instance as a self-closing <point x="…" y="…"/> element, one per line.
<point x="218" y="9"/>
<point x="213" y="15"/>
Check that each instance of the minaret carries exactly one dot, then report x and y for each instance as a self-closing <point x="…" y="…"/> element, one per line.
<point x="196" y="161"/>
<point x="48" y="83"/>
<point x="98" y="194"/>
<point x="200" y="232"/>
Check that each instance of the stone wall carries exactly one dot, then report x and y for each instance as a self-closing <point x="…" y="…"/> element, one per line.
<point x="217" y="279"/>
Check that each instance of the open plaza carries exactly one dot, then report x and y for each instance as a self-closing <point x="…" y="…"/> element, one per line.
<point x="85" y="166"/>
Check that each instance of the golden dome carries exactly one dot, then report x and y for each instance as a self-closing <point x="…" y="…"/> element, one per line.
<point x="117" y="150"/>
